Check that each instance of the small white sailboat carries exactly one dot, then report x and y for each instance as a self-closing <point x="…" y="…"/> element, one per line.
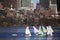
<point x="49" y="31"/>
<point x="27" y="32"/>
<point x="35" y="30"/>
<point x="40" y="33"/>
<point x="44" y="30"/>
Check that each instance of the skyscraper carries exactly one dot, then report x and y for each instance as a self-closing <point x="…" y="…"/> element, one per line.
<point x="44" y="3"/>
<point x="23" y="3"/>
<point x="32" y="6"/>
<point x="58" y="6"/>
<point x="26" y="3"/>
<point x="53" y="1"/>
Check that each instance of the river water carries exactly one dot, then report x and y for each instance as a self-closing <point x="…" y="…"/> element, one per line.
<point x="18" y="33"/>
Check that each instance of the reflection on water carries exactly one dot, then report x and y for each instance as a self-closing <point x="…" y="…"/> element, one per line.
<point x="49" y="38"/>
<point x="39" y="38"/>
<point x="30" y="38"/>
<point x="27" y="38"/>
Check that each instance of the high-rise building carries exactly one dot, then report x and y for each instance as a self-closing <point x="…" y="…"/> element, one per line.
<point x="58" y="5"/>
<point x="23" y="3"/>
<point x="47" y="6"/>
<point x="18" y="4"/>
<point x="26" y="3"/>
<point x="53" y="1"/>
<point x="44" y="3"/>
<point x="32" y="6"/>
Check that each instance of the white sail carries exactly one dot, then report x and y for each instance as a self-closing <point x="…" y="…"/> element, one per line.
<point x="49" y="31"/>
<point x="40" y="31"/>
<point x="35" y="30"/>
<point x="27" y="31"/>
<point x="44" y="29"/>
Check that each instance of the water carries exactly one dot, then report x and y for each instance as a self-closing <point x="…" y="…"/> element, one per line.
<point x="17" y="33"/>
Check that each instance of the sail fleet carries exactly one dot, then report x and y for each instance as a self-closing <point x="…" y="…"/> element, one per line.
<point x="41" y="31"/>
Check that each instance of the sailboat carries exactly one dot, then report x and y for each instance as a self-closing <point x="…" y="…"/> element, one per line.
<point x="44" y="30"/>
<point x="35" y="30"/>
<point x="40" y="33"/>
<point x="27" y="32"/>
<point x="49" y="31"/>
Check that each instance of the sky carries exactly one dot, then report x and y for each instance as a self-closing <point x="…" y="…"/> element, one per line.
<point x="34" y="1"/>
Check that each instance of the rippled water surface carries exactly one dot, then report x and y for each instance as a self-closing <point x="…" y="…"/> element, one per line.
<point x="18" y="33"/>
